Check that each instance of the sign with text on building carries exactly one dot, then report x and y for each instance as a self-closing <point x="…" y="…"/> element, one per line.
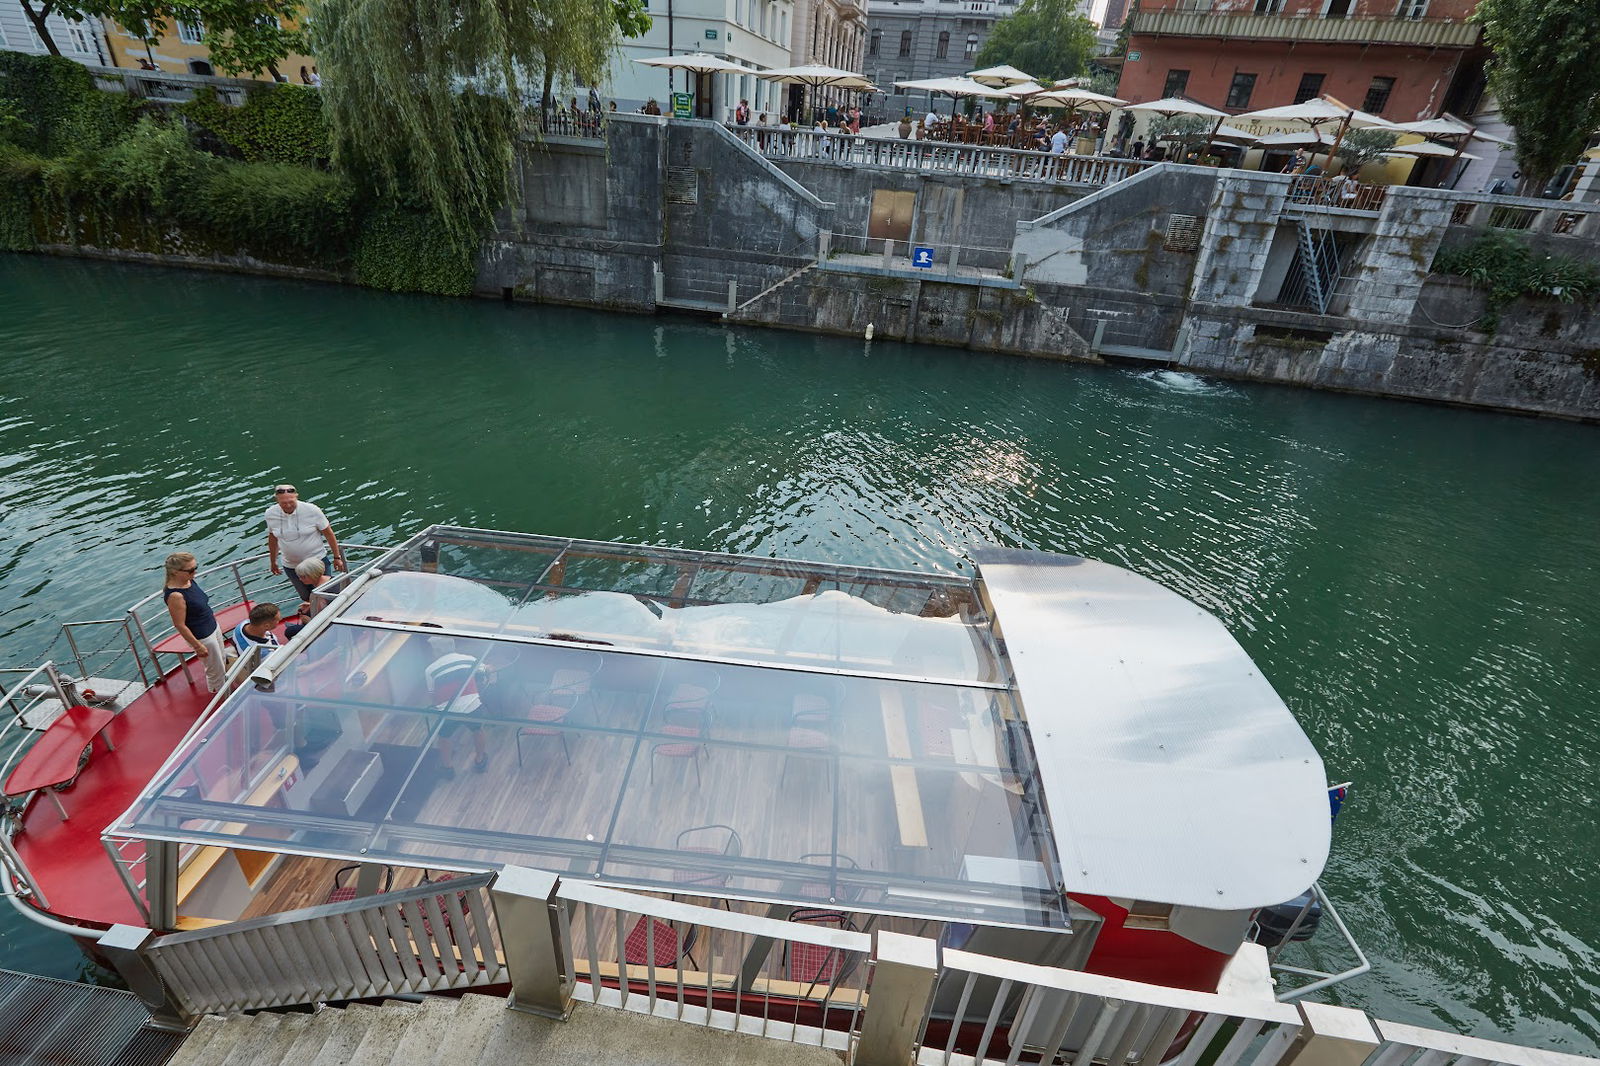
<point x="922" y="257"/>
<point x="711" y="35"/>
<point x="1134" y="57"/>
<point x="682" y="105"/>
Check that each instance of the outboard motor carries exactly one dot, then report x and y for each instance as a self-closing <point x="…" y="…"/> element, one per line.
<point x="1291" y="921"/>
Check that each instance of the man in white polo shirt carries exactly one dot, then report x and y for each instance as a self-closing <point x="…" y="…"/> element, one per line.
<point x="298" y="531"/>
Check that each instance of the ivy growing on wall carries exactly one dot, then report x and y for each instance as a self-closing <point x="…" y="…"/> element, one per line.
<point x="83" y="167"/>
<point x="277" y="124"/>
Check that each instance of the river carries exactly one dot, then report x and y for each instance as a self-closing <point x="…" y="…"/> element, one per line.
<point x="1420" y="583"/>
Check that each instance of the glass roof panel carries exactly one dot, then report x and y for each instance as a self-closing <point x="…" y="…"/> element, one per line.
<point x="400" y="743"/>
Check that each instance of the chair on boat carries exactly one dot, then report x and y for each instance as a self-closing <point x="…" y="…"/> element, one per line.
<point x="706" y="840"/>
<point x="342" y="891"/>
<point x="825" y="889"/>
<point x="569" y="685"/>
<point x="813" y="717"/>
<point x="653" y="942"/>
<point x="686" y="717"/>
<point x="812" y="964"/>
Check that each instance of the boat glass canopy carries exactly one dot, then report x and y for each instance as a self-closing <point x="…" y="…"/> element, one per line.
<point x="715" y="725"/>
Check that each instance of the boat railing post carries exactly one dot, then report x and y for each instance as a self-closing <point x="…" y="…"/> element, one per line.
<point x="66" y="692"/>
<point x="1332" y="1036"/>
<point x="905" y="970"/>
<point x="238" y="579"/>
<point x="150" y="649"/>
<point x="133" y="649"/>
<point x="77" y="656"/>
<point x="123" y="946"/>
<point x="525" y="903"/>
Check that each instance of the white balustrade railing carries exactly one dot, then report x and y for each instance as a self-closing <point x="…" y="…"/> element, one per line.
<point x="880" y="999"/>
<point x="431" y="938"/>
<point x="937" y="156"/>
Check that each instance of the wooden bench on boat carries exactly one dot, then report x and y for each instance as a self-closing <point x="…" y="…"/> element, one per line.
<point x="57" y="756"/>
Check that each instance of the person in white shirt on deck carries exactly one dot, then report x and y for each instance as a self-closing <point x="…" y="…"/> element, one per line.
<point x="1058" y="142"/>
<point x="298" y="531"/>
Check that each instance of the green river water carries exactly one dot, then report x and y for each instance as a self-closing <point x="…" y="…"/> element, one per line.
<point x="1419" y="583"/>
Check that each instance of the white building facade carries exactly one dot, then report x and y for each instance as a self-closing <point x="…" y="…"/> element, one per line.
<point x="80" y="41"/>
<point x="755" y="33"/>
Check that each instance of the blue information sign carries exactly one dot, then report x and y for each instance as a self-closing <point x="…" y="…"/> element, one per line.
<point x="922" y="257"/>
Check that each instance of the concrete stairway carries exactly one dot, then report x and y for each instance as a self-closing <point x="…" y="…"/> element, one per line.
<point x="476" y="1030"/>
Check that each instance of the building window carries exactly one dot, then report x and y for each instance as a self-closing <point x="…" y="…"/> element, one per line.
<point x="191" y="32"/>
<point x="1177" y="83"/>
<point x="872" y="42"/>
<point x="972" y="46"/>
<point x="1378" y="95"/>
<point x="905" y="43"/>
<point x="1310" y="86"/>
<point x="943" y="51"/>
<point x="1412" y="9"/>
<point x="899" y="76"/>
<point x="1268" y="7"/>
<point x="1239" y="92"/>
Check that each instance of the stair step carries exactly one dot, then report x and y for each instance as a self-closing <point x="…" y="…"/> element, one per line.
<point x="476" y="1020"/>
<point x="383" y="1033"/>
<point x="284" y="1035"/>
<point x="254" y="1033"/>
<point x="347" y="1027"/>
<point x="421" y="1040"/>
<point x="197" y="1045"/>
<point x="313" y="1034"/>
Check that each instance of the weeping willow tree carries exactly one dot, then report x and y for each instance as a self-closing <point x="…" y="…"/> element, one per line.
<point x="426" y="99"/>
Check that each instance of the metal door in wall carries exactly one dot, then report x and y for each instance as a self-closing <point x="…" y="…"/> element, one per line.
<point x="891" y="215"/>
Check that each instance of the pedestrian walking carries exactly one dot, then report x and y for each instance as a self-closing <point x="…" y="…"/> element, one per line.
<point x="594" y="100"/>
<point x="190" y="610"/>
<point x="297" y="531"/>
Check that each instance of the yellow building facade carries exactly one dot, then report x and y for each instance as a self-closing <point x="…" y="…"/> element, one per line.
<point x="182" y="49"/>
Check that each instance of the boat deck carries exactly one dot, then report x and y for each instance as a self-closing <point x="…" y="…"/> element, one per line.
<point x="66" y="857"/>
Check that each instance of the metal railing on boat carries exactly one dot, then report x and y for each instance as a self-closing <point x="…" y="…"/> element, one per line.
<point x="878" y="999"/>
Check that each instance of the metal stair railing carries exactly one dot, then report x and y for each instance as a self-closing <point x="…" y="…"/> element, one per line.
<point x="1310" y="266"/>
<point x="435" y="937"/>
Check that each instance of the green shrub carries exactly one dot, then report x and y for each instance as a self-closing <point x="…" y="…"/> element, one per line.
<point x="280" y="213"/>
<point x="408" y="251"/>
<point x="1506" y="266"/>
<point x="276" y="124"/>
<point x="57" y="106"/>
<point x="19" y="184"/>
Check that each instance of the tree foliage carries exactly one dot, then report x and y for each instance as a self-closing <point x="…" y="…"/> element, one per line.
<point x="425" y="100"/>
<point x="247" y="36"/>
<point x="1045" y="38"/>
<point x="1359" y="147"/>
<point x="1543" y="73"/>
<point x="1188" y="132"/>
<point x="276" y="124"/>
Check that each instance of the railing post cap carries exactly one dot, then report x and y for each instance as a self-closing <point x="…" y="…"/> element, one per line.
<point x="905" y="950"/>
<point x="526" y="881"/>
<point x="1339" y="1023"/>
<point x="125" y="937"/>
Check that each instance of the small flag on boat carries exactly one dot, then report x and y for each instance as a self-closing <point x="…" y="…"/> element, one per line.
<point x="1336" y="798"/>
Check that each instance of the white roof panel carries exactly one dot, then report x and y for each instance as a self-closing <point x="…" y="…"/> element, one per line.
<point x="1171" y="769"/>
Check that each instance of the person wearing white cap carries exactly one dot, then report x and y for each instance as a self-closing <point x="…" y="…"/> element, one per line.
<point x="452" y="685"/>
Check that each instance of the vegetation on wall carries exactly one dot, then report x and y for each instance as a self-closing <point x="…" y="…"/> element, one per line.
<point x="55" y="108"/>
<point x="150" y="189"/>
<point x="1506" y="267"/>
<point x="277" y="124"/>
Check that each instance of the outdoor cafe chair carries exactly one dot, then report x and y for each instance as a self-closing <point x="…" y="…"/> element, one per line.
<point x="812" y="964"/>
<point x="653" y="942"/>
<point x="707" y="840"/>
<point x="342" y="892"/>
<point x="570" y="684"/>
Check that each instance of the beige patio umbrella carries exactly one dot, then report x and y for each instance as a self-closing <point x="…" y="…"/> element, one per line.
<point x="1082" y="100"/>
<point x="1000" y="76"/>
<point x="1170" y="106"/>
<point x="1315" y="113"/>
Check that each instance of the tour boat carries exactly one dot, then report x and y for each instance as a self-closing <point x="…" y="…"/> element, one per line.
<point x="1052" y="760"/>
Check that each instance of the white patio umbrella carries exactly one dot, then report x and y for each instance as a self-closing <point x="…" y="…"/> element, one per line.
<point x="1316" y="113"/>
<point x="696" y="63"/>
<point x="954" y="88"/>
<point x="1226" y="132"/>
<point x="1000" y="76"/>
<point x="1448" y="126"/>
<point x="815" y="76"/>
<point x="1428" y="148"/>
<point x="1081" y="100"/>
<point x="699" y="63"/>
<point x="1024" y="89"/>
<point x="1174" y="105"/>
